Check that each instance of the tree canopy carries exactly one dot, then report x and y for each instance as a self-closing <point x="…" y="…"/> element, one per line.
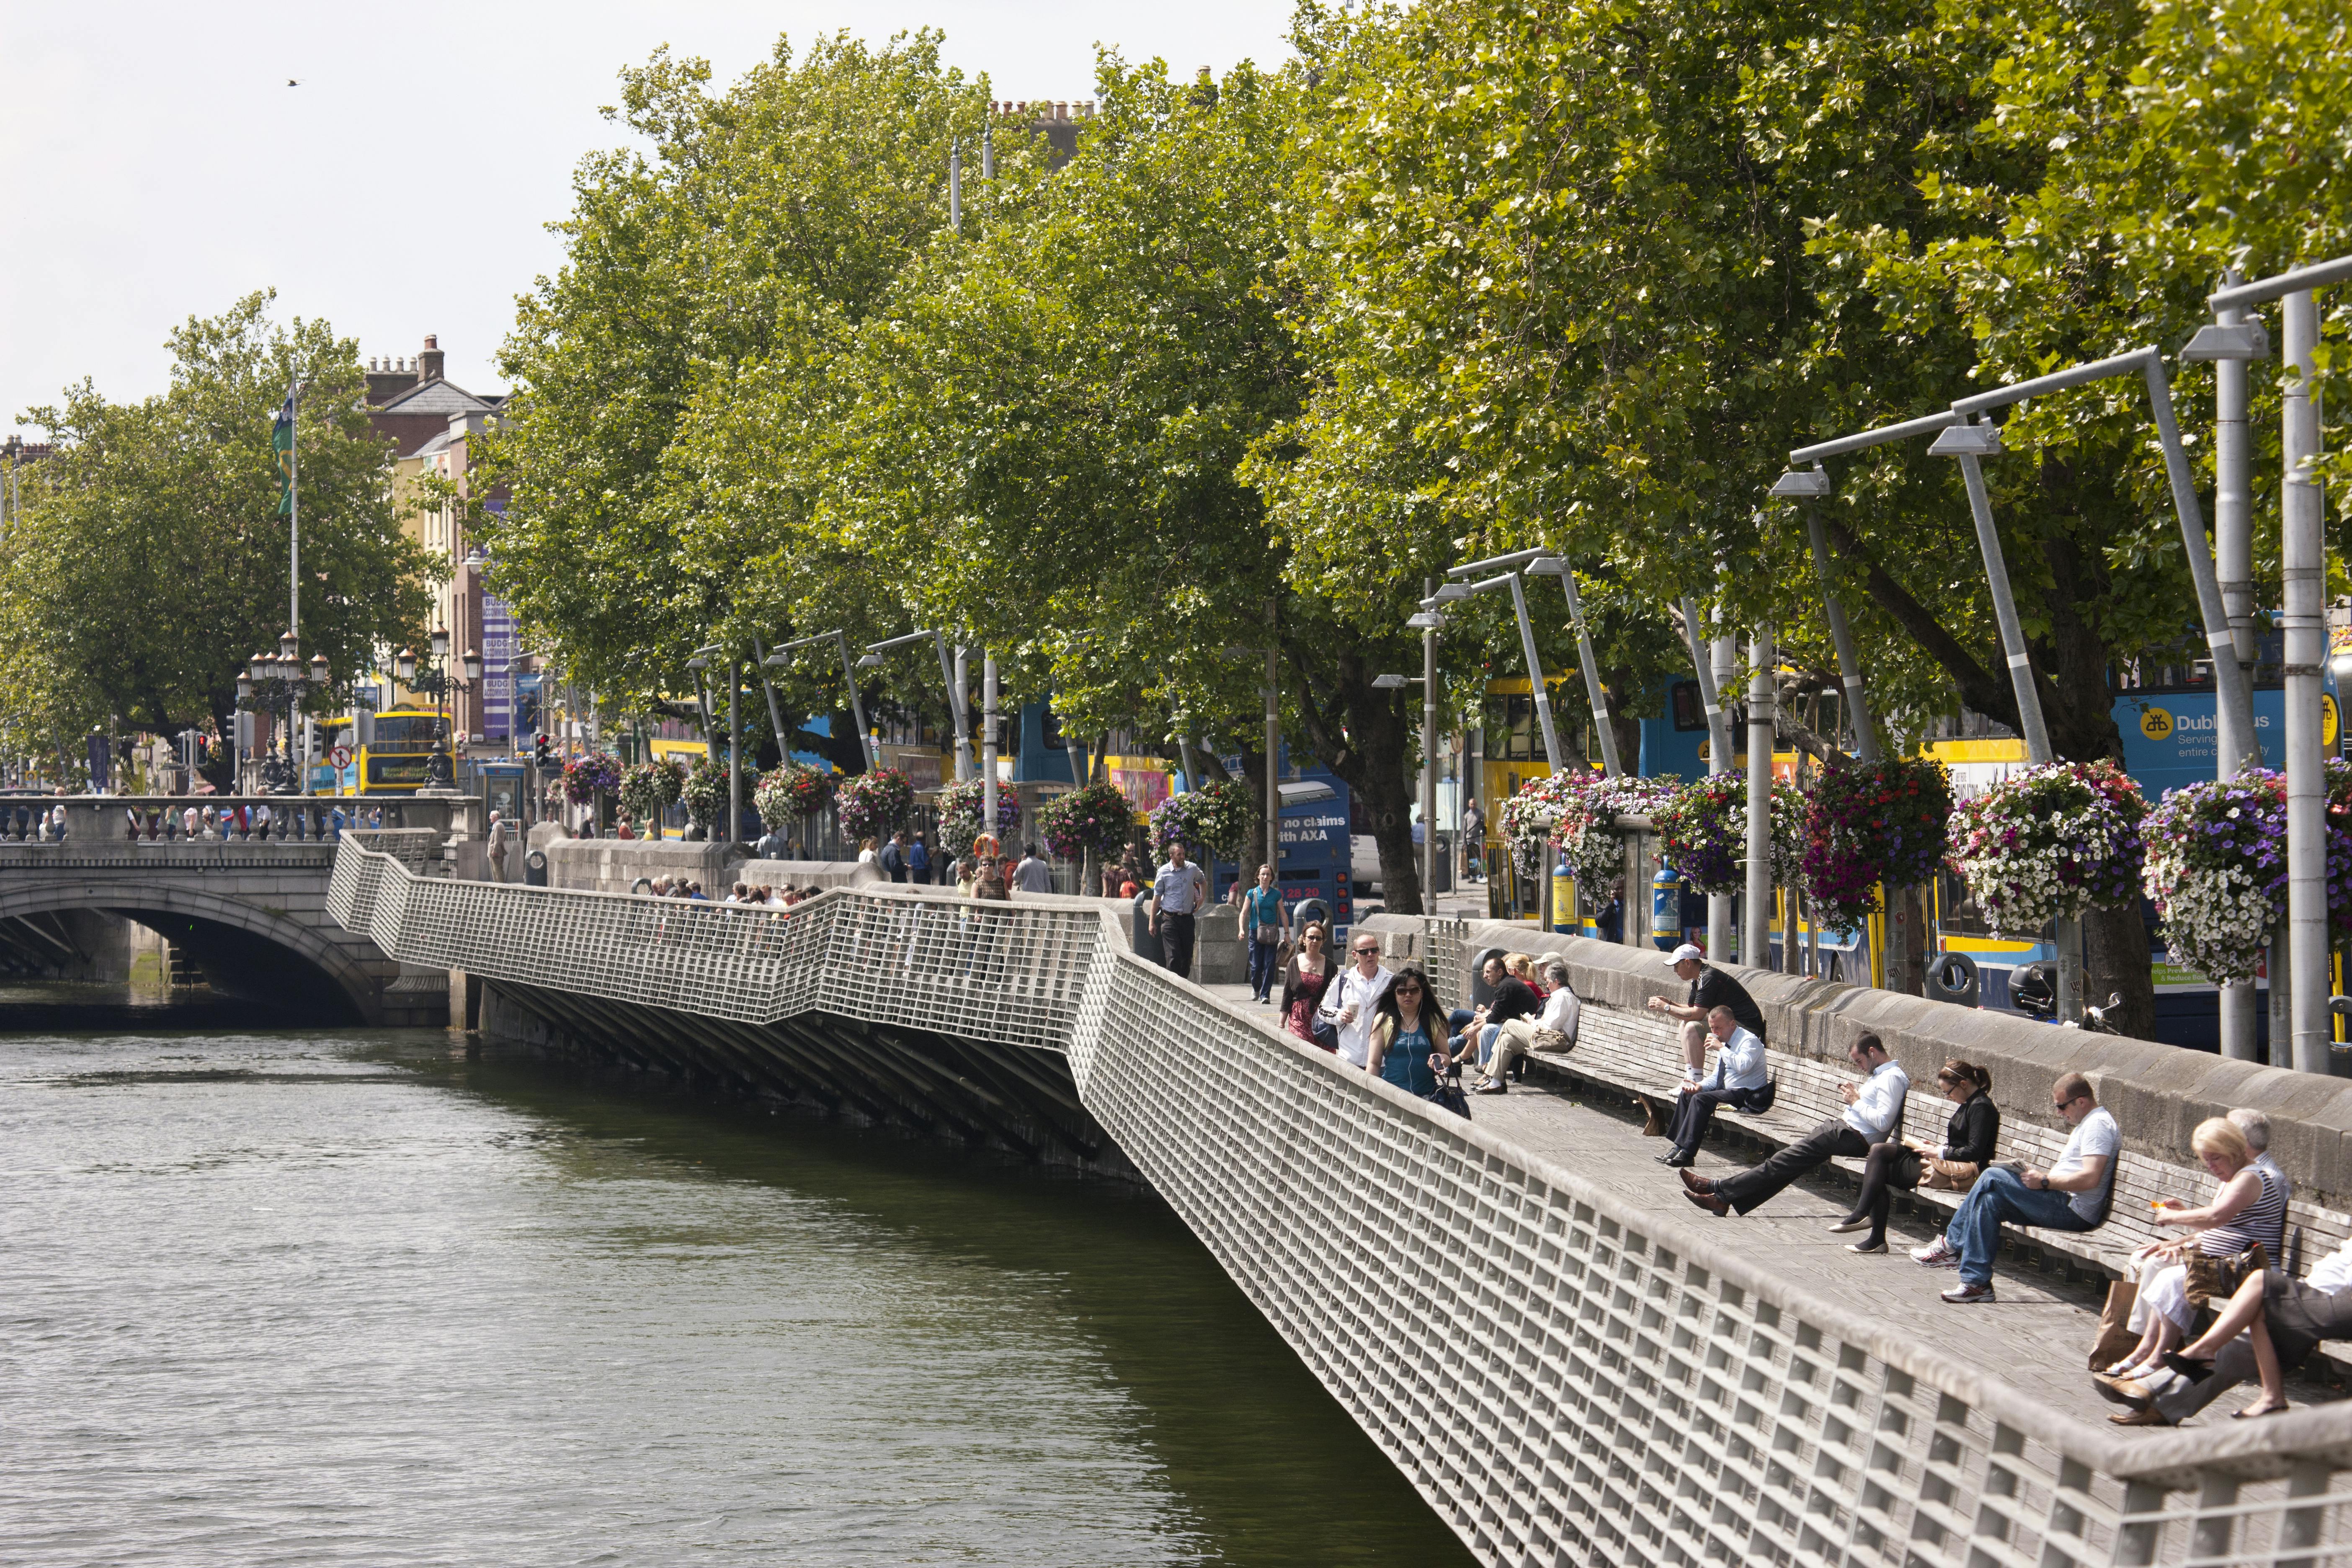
<point x="151" y="562"/>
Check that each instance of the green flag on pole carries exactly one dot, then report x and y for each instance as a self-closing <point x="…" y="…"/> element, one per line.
<point x="282" y="441"/>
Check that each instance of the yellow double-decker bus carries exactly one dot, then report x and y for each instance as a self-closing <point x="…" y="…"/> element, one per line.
<point x="396" y="757"/>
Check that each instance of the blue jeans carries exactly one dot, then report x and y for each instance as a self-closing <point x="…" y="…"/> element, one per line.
<point x="1998" y="1196"/>
<point x="1261" y="965"/>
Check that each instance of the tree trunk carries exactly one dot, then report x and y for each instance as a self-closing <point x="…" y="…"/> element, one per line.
<point x="1372" y="757"/>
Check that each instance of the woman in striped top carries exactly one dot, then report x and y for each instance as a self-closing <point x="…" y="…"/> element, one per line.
<point x="2249" y="1208"/>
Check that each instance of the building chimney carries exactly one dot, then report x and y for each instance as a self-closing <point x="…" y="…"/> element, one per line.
<point x="428" y="364"/>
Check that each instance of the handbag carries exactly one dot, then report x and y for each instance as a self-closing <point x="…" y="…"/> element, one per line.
<point x="1553" y="1040"/>
<point x="1950" y="1175"/>
<point x="2116" y="1336"/>
<point x="2213" y="1279"/>
<point x="1448" y="1095"/>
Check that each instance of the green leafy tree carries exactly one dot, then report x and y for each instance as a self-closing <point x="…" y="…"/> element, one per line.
<point x="674" y="377"/>
<point x="151" y="562"/>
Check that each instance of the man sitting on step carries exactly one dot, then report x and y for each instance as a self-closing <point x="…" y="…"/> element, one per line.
<point x="1873" y="1110"/>
<point x="1738" y="1081"/>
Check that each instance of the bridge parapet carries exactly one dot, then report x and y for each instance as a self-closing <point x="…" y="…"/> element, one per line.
<point x="161" y="821"/>
<point x="1565" y="1373"/>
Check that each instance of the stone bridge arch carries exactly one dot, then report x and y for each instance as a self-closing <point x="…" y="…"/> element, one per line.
<point x="351" y="967"/>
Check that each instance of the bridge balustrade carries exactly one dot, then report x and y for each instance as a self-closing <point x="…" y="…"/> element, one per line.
<point x="1565" y="1375"/>
<point x="95" y="821"/>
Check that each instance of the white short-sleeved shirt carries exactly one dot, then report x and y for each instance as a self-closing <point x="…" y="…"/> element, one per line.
<point x="2095" y="1135"/>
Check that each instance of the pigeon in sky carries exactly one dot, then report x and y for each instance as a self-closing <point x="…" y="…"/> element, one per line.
<point x="291" y="83"/>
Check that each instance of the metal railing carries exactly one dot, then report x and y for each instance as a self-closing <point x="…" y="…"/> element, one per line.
<point x="1565" y="1376"/>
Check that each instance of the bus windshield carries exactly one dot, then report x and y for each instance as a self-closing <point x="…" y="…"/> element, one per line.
<point x="407" y="729"/>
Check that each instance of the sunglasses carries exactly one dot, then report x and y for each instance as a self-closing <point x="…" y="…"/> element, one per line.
<point x="1368" y="952"/>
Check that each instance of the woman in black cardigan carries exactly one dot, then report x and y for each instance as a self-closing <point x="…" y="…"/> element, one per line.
<point x="1970" y="1139"/>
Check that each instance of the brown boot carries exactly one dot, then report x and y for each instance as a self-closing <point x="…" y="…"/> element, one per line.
<point x="1655" y="1127"/>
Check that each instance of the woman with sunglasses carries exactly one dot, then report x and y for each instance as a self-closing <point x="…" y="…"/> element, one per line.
<point x="1406" y="1027"/>
<point x="1304" y="980"/>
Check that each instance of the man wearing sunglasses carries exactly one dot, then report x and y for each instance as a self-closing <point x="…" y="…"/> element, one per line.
<point x="2073" y="1194"/>
<point x="1351" y="999"/>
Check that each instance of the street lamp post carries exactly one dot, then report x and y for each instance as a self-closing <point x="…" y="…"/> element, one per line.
<point x="1427" y="623"/>
<point x="2302" y="556"/>
<point x="958" y="715"/>
<point x="2231" y="341"/>
<point x="1809" y="485"/>
<point x="1556" y="566"/>
<point x="2233" y="700"/>
<point x="1510" y="579"/>
<point x="849" y="675"/>
<point x="1718" y="737"/>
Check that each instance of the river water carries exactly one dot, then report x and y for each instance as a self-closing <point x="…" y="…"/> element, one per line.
<point x="353" y="1298"/>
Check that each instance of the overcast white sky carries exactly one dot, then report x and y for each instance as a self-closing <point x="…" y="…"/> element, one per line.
<point x="158" y="166"/>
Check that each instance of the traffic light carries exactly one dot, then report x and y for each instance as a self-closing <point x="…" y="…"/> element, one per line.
<point x="543" y="752"/>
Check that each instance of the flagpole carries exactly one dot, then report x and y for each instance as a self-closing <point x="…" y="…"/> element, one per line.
<point x="294" y="514"/>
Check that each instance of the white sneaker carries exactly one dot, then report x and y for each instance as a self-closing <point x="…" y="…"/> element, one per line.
<point x="1937" y="1254"/>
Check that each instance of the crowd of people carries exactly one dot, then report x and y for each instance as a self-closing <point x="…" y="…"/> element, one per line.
<point x="2151" y="1359"/>
<point x="749" y="895"/>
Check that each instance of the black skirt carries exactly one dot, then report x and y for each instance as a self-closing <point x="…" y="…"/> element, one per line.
<point x="2299" y="1317"/>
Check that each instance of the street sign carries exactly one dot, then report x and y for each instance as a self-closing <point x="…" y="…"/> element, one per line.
<point x="341" y="756"/>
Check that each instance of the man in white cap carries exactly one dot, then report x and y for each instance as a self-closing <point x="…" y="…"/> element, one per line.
<point x="1709" y="988"/>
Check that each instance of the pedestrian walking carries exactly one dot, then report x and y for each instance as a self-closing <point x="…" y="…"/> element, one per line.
<point x="919" y="860"/>
<point x="1304" y="980"/>
<point x="1033" y="875"/>
<point x="1474" y="839"/>
<point x="1177" y="894"/>
<point x="1265" y="924"/>
<point x="893" y="860"/>
<point x="1357" y="990"/>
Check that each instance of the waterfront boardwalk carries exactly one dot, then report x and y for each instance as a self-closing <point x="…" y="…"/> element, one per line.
<point x="2036" y="1336"/>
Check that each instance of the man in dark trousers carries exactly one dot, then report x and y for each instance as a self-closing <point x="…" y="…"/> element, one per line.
<point x="1873" y="1112"/>
<point x="1177" y="895"/>
<point x="893" y="859"/>
<point x="1709" y="988"/>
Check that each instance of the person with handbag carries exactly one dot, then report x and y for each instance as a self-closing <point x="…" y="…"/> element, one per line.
<point x="1970" y="1140"/>
<point x="2239" y="1233"/>
<point x="1553" y="1029"/>
<point x="2267" y="1327"/>
<point x="1265" y="925"/>
<point x="1407" y="1024"/>
<point x="1304" y="980"/>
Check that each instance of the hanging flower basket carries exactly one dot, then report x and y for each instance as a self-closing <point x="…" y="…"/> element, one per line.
<point x="587" y="776"/>
<point x="1097" y="817"/>
<point x="650" y="788"/>
<point x="1588" y="838"/>
<point x="1524" y="821"/>
<point x="1871" y="825"/>
<point x="2050" y="842"/>
<point x="2217" y="867"/>
<point x="961" y="806"/>
<point x="789" y="792"/>
<point x="705" y="793"/>
<point x="1212" y="820"/>
<point x="873" y="805"/>
<point x="1703" y="833"/>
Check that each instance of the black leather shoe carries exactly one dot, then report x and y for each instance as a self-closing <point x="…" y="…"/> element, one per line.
<point x="1675" y="1159"/>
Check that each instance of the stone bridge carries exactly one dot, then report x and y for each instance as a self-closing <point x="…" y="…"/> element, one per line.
<point x="246" y="911"/>
<point x="1570" y="1368"/>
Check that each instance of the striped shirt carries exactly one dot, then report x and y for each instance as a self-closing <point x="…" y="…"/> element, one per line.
<point x="2264" y="1220"/>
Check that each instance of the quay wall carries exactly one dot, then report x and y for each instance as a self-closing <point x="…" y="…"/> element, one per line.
<point x="1566" y="1376"/>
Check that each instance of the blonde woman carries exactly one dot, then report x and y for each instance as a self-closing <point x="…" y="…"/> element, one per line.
<point x="2249" y="1209"/>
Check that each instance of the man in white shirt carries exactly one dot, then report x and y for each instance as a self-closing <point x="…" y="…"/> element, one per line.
<point x="2070" y="1196"/>
<point x="1739" y="1081"/>
<point x="1873" y="1111"/>
<point x="1562" y="1012"/>
<point x="1350" y="1001"/>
